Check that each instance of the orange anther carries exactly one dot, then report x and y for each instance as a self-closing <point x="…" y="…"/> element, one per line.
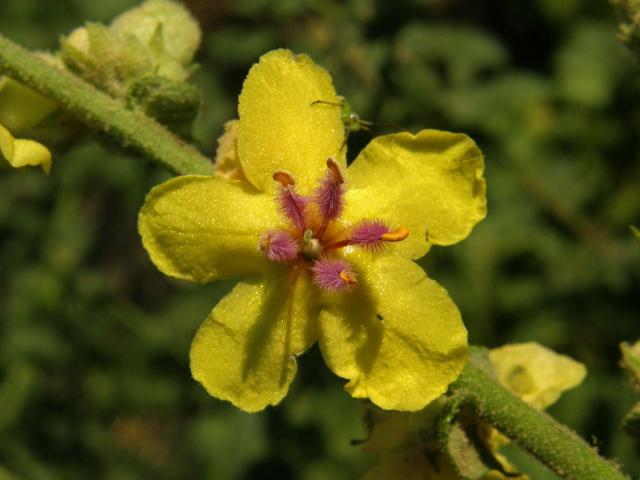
<point x="283" y="178"/>
<point x="335" y="170"/>
<point x="396" y="235"/>
<point x="348" y="278"/>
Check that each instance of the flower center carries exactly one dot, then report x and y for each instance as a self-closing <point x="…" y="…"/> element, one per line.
<point x="312" y="248"/>
<point x="314" y="238"/>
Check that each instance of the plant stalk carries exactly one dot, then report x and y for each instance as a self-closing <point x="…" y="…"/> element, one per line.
<point x="129" y="128"/>
<point x="556" y="446"/>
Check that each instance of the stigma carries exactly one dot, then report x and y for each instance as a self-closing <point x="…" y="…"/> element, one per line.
<point x="314" y="236"/>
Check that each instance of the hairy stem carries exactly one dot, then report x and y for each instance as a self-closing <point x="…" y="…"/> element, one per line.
<point x="130" y="129"/>
<point x="553" y="444"/>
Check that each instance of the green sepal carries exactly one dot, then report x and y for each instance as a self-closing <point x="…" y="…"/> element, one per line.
<point x="461" y="438"/>
<point x="104" y="58"/>
<point x="464" y="438"/>
<point x="174" y="104"/>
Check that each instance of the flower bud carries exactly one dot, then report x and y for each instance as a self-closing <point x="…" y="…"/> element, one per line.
<point x="180" y="32"/>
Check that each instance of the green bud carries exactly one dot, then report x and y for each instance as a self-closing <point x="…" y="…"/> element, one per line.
<point x="180" y="33"/>
<point x="105" y="59"/>
<point x="157" y="38"/>
<point x="174" y="104"/>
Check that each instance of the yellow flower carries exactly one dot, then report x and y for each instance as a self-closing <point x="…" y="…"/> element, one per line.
<point x="407" y="444"/>
<point x="22" y="109"/>
<point x="534" y="373"/>
<point x="326" y="251"/>
<point x="20" y="152"/>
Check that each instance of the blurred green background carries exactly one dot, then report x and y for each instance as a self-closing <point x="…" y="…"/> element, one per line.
<point x="94" y="378"/>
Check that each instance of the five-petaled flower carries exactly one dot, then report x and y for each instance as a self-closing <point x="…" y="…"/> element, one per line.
<point x="326" y="251"/>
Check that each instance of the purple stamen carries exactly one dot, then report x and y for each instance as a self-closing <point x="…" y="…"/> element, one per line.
<point x="334" y="275"/>
<point x="329" y="196"/>
<point x="292" y="206"/>
<point x="368" y="234"/>
<point x="279" y="246"/>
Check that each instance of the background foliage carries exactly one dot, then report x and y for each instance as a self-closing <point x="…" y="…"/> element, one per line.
<point x="94" y="377"/>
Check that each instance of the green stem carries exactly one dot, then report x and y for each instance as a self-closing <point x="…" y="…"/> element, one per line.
<point x="131" y="129"/>
<point x="553" y="444"/>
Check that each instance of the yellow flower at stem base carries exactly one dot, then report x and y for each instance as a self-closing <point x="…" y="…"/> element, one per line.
<point x="326" y="252"/>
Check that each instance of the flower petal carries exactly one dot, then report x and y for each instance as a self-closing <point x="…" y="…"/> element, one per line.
<point x="245" y="352"/>
<point x="203" y="228"/>
<point x="23" y="152"/>
<point x="397" y="337"/>
<point x="431" y="183"/>
<point x="280" y="129"/>
<point x="534" y="373"/>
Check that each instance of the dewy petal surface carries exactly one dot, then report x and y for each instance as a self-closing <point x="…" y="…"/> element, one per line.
<point x="280" y="129"/>
<point x="431" y="182"/>
<point x="245" y="352"/>
<point x="398" y="337"/>
<point x="203" y="228"/>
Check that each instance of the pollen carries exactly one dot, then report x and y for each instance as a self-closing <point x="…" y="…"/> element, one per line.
<point x="335" y="171"/>
<point x="333" y="275"/>
<point x="348" y="277"/>
<point x="372" y="234"/>
<point x="283" y="178"/>
<point x="397" y="235"/>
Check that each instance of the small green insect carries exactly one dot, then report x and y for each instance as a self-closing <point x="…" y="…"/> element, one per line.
<point x="351" y="120"/>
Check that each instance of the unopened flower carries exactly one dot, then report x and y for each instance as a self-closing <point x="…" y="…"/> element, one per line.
<point x="325" y="251"/>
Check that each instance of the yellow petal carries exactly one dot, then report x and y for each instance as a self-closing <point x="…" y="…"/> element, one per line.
<point x="22" y="152"/>
<point x="202" y="228"/>
<point x="397" y="337"/>
<point x="280" y="129"/>
<point x="22" y="108"/>
<point x="245" y="352"/>
<point x="431" y="183"/>
<point x="534" y="373"/>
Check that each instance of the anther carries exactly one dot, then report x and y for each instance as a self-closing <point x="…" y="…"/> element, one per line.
<point x="283" y="178"/>
<point x="335" y="171"/>
<point x="333" y="275"/>
<point x="348" y="277"/>
<point x="396" y="235"/>
<point x="279" y="246"/>
<point x="372" y="234"/>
